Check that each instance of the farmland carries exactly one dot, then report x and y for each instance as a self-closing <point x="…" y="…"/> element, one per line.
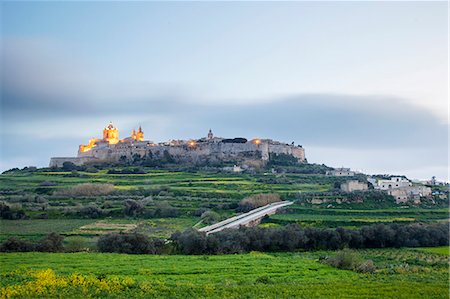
<point x="171" y="201"/>
<point x="185" y="193"/>
<point x="401" y="273"/>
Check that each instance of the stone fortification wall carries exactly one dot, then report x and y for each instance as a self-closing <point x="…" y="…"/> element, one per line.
<point x="200" y="152"/>
<point x="59" y="161"/>
<point x="296" y="151"/>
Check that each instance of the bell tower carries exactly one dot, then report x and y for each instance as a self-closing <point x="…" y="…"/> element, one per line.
<point x="138" y="135"/>
<point x="111" y="134"/>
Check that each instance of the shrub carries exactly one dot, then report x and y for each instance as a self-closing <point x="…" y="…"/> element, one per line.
<point x="48" y="184"/>
<point x="366" y="267"/>
<point x="91" y="170"/>
<point x="11" y="213"/>
<point x="199" y="212"/>
<point x="256" y="201"/>
<point x="68" y="166"/>
<point x="90" y="211"/>
<point x="263" y="279"/>
<point x="164" y="209"/>
<point x="87" y="189"/>
<point x="51" y="243"/>
<point x="210" y="217"/>
<point x="76" y="244"/>
<point x="190" y="241"/>
<point x="133" y="208"/>
<point x="132" y="243"/>
<point x="16" y="245"/>
<point x="345" y="259"/>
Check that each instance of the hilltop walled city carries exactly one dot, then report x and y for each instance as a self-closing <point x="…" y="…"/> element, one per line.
<point x="240" y="152"/>
<point x="209" y="149"/>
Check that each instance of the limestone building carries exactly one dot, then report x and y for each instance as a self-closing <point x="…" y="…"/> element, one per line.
<point x="210" y="149"/>
<point x="340" y="172"/>
<point x="354" y="185"/>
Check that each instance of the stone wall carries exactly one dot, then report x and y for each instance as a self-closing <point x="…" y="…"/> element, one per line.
<point x="59" y="161"/>
<point x="201" y="152"/>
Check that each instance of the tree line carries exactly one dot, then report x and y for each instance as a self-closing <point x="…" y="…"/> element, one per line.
<point x="288" y="238"/>
<point x="293" y="237"/>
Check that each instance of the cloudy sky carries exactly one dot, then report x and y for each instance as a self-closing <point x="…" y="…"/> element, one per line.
<point x="358" y="84"/>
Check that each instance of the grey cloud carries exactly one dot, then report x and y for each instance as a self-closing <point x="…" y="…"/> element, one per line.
<point x="37" y="87"/>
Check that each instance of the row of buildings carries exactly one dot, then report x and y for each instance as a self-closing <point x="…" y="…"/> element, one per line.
<point x="402" y="189"/>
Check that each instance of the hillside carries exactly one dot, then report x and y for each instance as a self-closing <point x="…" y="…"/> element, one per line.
<point x="159" y="202"/>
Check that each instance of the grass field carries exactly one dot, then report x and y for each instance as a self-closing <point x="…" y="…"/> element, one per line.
<point x="354" y="217"/>
<point x="188" y="192"/>
<point x="37" y="228"/>
<point x="401" y="273"/>
<point x="445" y="250"/>
<point x="200" y="183"/>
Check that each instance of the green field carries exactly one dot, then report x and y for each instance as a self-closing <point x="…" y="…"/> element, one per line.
<point x="355" y="217"/>
<point x="199" y="183"/>
<point x="188" y="192"/>
<point x="445" y="250"/>
<point x="401" y="273"/>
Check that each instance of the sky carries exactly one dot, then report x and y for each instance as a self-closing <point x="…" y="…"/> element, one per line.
<point x="358" y="84"/>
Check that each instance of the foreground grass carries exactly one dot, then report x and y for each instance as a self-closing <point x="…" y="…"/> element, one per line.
<point x="254" y="275"/>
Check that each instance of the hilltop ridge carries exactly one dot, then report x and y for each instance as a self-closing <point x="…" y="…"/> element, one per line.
<point x="202" y="151"/>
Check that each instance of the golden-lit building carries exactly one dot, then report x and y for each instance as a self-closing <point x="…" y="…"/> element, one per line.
<point x="92" y="143"/>
<point x="111" y="134"/>
<point x="208" y="149"/>
<point x="138" y="135"/>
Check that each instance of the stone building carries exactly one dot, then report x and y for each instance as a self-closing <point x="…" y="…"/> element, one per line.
<point x="354" y="185"/>
<point x="392" y="183"/>
<point x="205" y="150"/>
<point x="410" y="193"/>
<point x="340" y="172"/>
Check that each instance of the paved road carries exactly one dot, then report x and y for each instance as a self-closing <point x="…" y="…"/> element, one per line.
<point x="246" y="218"/>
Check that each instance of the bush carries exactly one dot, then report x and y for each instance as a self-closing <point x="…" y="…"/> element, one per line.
<point x="164" y="209"/>
<point x="263" y="279"/>
<point x="69" y="166"/>
<point x="133" y="208"/>
<point x="48" y="184"/>
<point x="16" y="245"/>
<point x="350" y="260"/>
<point x="345" y="259"/>
<point x="127" y="171"/>
<point x="11" y="214"/>
<point x="210" y="217"/>
<point x="132" y="243"/>
<point x="366" y="267"/>
<point x="256" y="201"/>
<point x="76" y="244"/>
<point x="51" y="243"/>
<point x="190" y="241"/>
<point x="87" y="189"/>
<point x="91" y="170"/>
<point x="90" y="211"/>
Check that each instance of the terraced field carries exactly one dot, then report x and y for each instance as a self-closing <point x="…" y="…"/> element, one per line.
<point x="189" y="193"/>
<point x="334" y="217"/>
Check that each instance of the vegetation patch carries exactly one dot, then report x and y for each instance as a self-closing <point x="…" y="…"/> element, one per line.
<point x="281" y="275"/>
<point x="104" y="227"/>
